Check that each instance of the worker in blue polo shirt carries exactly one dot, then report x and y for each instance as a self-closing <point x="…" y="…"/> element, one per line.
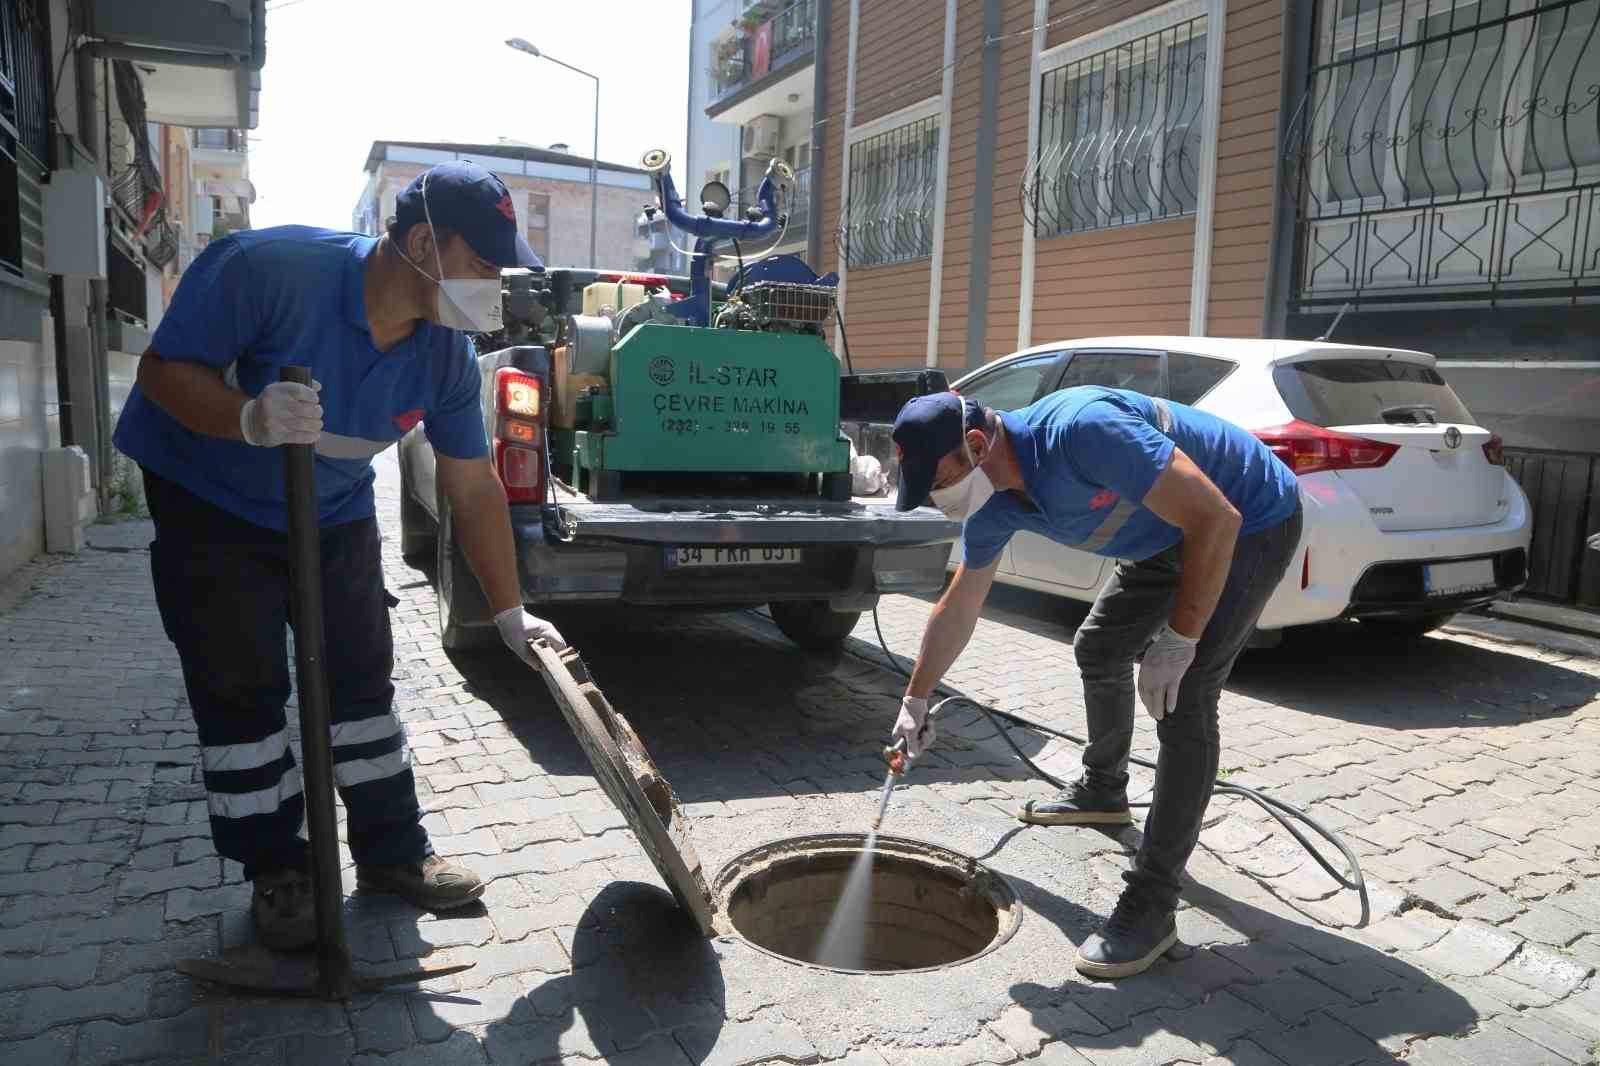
<point x="1204" y="520"/>
<point x="381" y="322"/>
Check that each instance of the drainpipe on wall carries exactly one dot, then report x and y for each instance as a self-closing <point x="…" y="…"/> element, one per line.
<point x="1296" y="49"/>
<point x="983" y="194"/>
<point x="819" y="88"/>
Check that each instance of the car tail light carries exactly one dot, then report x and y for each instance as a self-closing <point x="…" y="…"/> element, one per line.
<point x="1494" y="450"/>
<point x="648" y="280"/>
<point x="1309" y="449"/>
<point x="519" y="457"/>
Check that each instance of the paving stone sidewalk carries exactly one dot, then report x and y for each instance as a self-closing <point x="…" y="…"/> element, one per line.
<point x="1460" y="770"/>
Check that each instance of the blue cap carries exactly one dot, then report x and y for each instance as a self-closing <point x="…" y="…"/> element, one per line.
<point x="473" y="202"/>
<point x="928" y="429"/>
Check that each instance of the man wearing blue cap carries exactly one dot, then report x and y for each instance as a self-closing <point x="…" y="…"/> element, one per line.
<point x="381" y="323"/>
<point x="1203" y="520"/>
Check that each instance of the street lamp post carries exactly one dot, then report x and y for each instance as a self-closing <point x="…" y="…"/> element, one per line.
<point x="594" y="159"/>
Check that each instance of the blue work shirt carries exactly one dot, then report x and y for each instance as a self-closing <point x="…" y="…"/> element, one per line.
<point x="295" y="295"/>
<point x="1088" y="457"/>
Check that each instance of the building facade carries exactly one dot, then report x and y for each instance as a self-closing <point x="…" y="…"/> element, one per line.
<point x="549" y="189"/>
<point x="752" y="97"/>
<point x="95" y="211"/>
<point x="992" y="174"/>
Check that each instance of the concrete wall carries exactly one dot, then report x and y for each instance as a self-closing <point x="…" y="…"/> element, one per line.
<point x="28" y="425"/>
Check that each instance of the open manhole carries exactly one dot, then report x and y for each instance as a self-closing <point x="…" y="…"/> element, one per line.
<point x="923" y="907"/>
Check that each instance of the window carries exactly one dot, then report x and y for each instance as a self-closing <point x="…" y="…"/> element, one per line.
<point x="1423" y="101"/>
<point x="892" y="187"/>
<point x="1138" y="371"/>
<point x="1120" y="133"/>
<point x="1448" y="149"/>
<point x="1362" y="392"/>
<point x="1190" y="377"/>
<point x="539" y="224"/>
<point x="1014" y="385"/>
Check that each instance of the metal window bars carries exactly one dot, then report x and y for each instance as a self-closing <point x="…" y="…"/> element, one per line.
<point x="893" y="186"/>
<point x="1448" y="152"/>
<point x="1120" y="135"/>
<point x="25" y="75"/>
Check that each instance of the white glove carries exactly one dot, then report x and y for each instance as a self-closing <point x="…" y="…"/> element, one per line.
<point x="286" y="412"/>
<point x="517" y="627"/>
<point x="1165" y="662"/>
<point x="913" y="726"/>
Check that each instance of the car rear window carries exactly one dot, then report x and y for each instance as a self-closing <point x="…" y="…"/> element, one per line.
<point x="1365" y="392"/>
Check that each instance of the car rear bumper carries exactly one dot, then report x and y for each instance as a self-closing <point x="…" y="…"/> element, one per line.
<point x="1346" y="567"/>
<point x="850" y="553"/>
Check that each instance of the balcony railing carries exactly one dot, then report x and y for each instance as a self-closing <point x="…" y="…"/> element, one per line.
<point x="764" y="48"/>
<point x="219" y="140"/>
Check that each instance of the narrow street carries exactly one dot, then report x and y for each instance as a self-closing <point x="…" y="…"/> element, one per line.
<point x="1460" y="769"/>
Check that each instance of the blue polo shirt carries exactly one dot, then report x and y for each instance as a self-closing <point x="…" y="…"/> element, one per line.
<point x="295" y="295"/>
<point x="1089" y="455"/>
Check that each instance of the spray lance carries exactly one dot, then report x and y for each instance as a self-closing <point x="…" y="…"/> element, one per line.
<point x="900" y="763"/>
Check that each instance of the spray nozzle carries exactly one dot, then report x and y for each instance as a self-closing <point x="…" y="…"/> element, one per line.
<point x="895" y="756"/>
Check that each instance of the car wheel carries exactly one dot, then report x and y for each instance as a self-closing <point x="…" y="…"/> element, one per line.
<point x="418" y="538"/>
<point x="812" y="624"/>
<point x="465" y="622"/>
<point x="1404" y="628"/>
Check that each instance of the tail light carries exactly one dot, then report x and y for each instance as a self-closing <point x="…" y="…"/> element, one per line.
<point x="1309" y="449"/>
<point x="1494" y="450"/>
<point x="519" y="456"/>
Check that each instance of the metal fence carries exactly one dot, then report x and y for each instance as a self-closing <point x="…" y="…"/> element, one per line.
<point x="25" y="74"/>
<point x="1563" y="491"/>
<point x="893" y="185"/>
<point x="1120" y="135"/>
<point x="1448" y="151"/>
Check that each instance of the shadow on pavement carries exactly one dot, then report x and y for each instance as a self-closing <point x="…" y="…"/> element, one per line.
<point x="1284" y="975"/>
<point x="640" y="972"/>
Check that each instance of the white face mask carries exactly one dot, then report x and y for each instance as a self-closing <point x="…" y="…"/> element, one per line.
<point x="965" y="498"/>
<point x="468" y="304"/>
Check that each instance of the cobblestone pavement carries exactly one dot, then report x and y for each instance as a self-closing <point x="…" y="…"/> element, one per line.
<point x="1461" y="770"/>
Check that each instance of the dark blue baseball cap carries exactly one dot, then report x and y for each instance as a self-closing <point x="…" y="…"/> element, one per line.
<point x="473" y="202"/>
<point x="928" y="429"/>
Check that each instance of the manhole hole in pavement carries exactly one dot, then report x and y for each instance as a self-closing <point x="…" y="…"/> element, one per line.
<point x="928" y="907"/>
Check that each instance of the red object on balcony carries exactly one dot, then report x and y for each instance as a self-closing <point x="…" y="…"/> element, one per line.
<point x="761" y="60"/>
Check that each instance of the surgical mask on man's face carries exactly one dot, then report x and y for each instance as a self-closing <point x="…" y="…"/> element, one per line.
<point x="965" y="498"/>
<point x="469" y="304"/>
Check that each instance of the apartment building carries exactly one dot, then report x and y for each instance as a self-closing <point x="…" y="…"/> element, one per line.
<point x="991" y="174"/>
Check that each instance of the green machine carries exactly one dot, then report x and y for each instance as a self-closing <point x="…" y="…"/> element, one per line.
<point x="734" y="380"/>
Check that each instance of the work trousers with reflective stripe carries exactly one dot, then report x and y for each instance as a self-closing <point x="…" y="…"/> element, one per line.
<point x="222" y="586"/>
<point x="1127" y="614"/>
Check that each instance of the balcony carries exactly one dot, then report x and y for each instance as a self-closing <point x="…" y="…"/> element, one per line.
<point x="199" y="60"/>
<point x="766" y="70"/>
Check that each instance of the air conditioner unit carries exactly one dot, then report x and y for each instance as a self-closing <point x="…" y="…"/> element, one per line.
<point x="761" y="137"/>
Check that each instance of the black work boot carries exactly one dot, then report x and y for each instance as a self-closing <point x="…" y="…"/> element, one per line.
<point x="1138" y="933"/>
<point x="283" y="909"/>
<point x="1080" y="803"/>
<point x="432" y="884"/>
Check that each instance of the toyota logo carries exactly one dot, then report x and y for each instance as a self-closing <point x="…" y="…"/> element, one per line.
<point x="1452" y="437"/>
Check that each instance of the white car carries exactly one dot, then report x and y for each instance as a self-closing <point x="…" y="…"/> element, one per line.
<point x="1410" y="514"/>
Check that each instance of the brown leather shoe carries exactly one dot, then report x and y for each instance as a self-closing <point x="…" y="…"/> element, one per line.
<point x="284" y="910"/>
<point x="433" y="884"/>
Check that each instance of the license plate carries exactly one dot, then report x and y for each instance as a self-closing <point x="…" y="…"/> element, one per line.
<point x="1449" y="579"/>
<point x="683" y="558"/>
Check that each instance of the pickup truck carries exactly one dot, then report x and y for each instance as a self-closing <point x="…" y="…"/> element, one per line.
<point x="684" y="539"/>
